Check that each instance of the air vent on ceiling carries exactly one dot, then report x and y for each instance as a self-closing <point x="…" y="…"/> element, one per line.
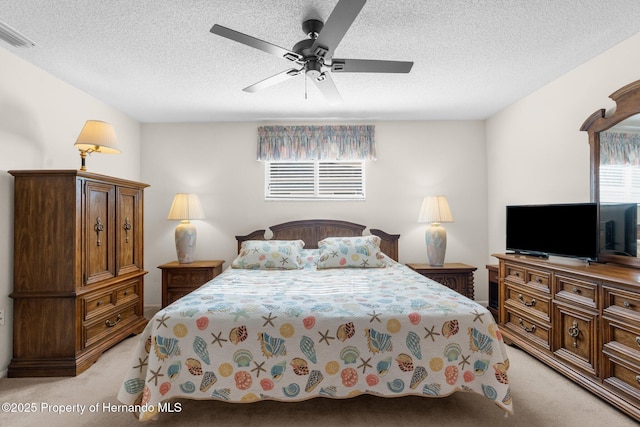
<point x="13" y="37"/>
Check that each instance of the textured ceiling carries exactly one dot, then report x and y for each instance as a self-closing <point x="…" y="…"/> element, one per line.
<point x="158" y="62"/>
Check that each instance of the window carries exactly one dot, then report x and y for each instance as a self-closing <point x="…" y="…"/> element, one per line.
<point x="619" y="183"/>
<point x="315" y="180"/>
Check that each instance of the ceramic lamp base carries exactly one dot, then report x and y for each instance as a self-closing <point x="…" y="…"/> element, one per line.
<point x="436" y="239"/>
<point x="185" y="242"/>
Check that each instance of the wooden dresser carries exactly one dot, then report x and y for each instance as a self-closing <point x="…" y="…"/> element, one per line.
<point x="582" y="320"/>
<point x="78" y="269"/>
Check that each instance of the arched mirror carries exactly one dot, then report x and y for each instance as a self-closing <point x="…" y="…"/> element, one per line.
<point x="614" y="140"/>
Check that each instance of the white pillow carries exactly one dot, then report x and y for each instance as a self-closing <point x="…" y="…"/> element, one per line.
<point x="351" y="252"/>
<point x="269" y="255"/>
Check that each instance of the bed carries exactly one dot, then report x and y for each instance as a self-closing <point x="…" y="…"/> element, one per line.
<point x="334" y="317"/>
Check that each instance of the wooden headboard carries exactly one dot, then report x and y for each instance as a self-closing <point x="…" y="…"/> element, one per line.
<point x="314" y="230"/>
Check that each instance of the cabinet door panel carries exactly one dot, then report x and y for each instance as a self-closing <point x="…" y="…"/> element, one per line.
<point x="575" y="337"/>
<point x="99" y="238"/>
<point x="129" y="230"/>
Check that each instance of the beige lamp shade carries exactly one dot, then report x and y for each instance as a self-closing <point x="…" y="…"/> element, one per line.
<point x="435" y="210"/>
<point x="186" y="207"/>
<point x="96" y="136"/>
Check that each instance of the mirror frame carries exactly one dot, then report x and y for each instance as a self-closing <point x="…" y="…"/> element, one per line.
<point x="627" y="101"/>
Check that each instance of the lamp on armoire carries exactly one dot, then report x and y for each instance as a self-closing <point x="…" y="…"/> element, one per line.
<point x="186" y="207"/>
<point x="435" y="210"/>
<point x="96" y="137"/>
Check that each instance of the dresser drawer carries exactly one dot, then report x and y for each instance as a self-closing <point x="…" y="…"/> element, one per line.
<point x="623" y="376"/>
<point x="576" y="290"/>
<point x="534" y="331"/>
<point x="622" y="303"/>
<point x="112" y="322"/>
<point x="541" y="279"/>
<point x="188" y="277"/>
<point x="514" y="273"/>
<point x="526" y="299"/>
<point x="621" y="337"/>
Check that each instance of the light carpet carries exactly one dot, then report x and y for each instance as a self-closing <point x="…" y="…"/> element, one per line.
<point x="541" y="397"/>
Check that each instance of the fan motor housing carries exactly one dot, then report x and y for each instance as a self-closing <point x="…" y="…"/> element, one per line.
<point x="312" y="27"/>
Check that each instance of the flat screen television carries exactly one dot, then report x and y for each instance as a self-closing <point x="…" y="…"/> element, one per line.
<point x="569" y="230"/>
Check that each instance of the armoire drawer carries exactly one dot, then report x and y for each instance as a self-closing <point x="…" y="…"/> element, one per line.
<point x="128" y="292"/>
<point x="111" y="323"/>
<point x="97" y="303"/>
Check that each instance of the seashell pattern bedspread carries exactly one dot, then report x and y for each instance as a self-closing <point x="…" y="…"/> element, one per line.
<point x="291" y="335"/>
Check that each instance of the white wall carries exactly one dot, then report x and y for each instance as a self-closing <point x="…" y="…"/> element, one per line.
<point x="535" y="150"/>
<point x="217" y="161"/>
<point x="40" y="118"/>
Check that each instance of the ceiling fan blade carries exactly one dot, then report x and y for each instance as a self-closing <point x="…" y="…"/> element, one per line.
<point x="336" y="27"/>
<point x="369" y="66"/>
<point x="325" y="83"/>
<point x="273" y="80"/>
<point x="256" y="43"/>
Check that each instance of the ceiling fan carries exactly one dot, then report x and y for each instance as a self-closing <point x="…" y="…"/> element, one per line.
<point x="314" y="56"/>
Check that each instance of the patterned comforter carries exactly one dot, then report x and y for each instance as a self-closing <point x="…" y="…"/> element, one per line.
<point x="292" y="335"/>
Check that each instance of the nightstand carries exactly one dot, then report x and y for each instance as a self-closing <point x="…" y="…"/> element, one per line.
<point x="180" y="279"/>
<point x="456" y="276"/>
<point x="493" y="290"/>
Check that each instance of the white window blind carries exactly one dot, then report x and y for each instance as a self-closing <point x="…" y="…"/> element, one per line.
<point x="619" y="183"/>
<point x="315" y="180"/>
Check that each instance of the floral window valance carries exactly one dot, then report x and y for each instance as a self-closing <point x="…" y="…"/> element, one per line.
<point x="297" y="143"/>
<point x="618" y="148"/>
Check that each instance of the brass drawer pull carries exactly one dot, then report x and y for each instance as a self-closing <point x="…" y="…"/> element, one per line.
<point x="99" y="303"/>
<point x="528" y="304"/>
<point x="538" y="280"/>
<point x="638" y="341"/>
<point x="576" y="290"/>
<point x="626" y="304"/>
<point x="531" y="329"/>
<point x="638" y="379"/>
<point x="111" y="324"/>
<point x="574" y="333"/>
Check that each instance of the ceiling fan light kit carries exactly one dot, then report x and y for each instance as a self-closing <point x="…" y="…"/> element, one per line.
<point x="314" y="55"/>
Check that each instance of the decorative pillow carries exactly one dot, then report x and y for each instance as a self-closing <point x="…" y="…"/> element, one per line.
<point x="350" y="252"/>
<point x="269" y="255"/>
<point x="309" y="258"/>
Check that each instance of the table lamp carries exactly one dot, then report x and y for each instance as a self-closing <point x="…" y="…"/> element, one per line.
<point x="435" y="210"/>
<point x="186" y="207"/>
